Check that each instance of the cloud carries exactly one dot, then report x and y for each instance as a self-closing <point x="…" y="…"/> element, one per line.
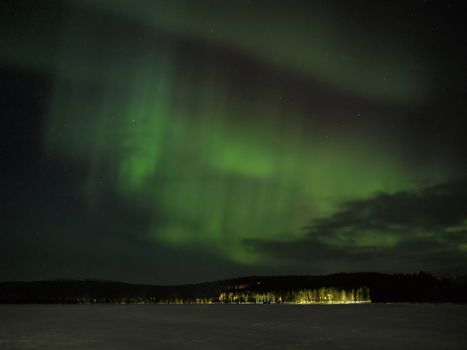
<point x="424" y="229"/>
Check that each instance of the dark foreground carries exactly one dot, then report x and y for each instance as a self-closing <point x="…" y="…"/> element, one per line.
<point x="370" y="326"/>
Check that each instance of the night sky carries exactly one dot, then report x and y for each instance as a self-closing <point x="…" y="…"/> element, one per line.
<point x="181" y="141"/>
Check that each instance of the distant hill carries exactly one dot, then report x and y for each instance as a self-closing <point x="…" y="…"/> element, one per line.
<point x="421" y="287"/>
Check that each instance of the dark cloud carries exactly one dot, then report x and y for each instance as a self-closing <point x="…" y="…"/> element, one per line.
<point x="410" y="230"/>
<point x="431" y="209"/>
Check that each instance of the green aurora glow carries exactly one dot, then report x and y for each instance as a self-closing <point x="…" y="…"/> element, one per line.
<point x="214" y="180"/>
<point x="218" y="152"/>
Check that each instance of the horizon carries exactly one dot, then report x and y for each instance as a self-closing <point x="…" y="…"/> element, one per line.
<point x="409" y="274"/>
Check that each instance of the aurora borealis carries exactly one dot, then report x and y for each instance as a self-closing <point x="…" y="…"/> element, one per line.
<point x="178" y="141"/>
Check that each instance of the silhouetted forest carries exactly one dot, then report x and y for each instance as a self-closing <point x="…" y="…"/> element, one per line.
<point x="336" y="288"/>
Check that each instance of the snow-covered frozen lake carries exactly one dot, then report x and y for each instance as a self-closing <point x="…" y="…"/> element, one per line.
<point x="370" y="326"/>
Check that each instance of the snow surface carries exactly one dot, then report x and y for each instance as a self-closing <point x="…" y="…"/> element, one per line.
<point x="364" y="326"/>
